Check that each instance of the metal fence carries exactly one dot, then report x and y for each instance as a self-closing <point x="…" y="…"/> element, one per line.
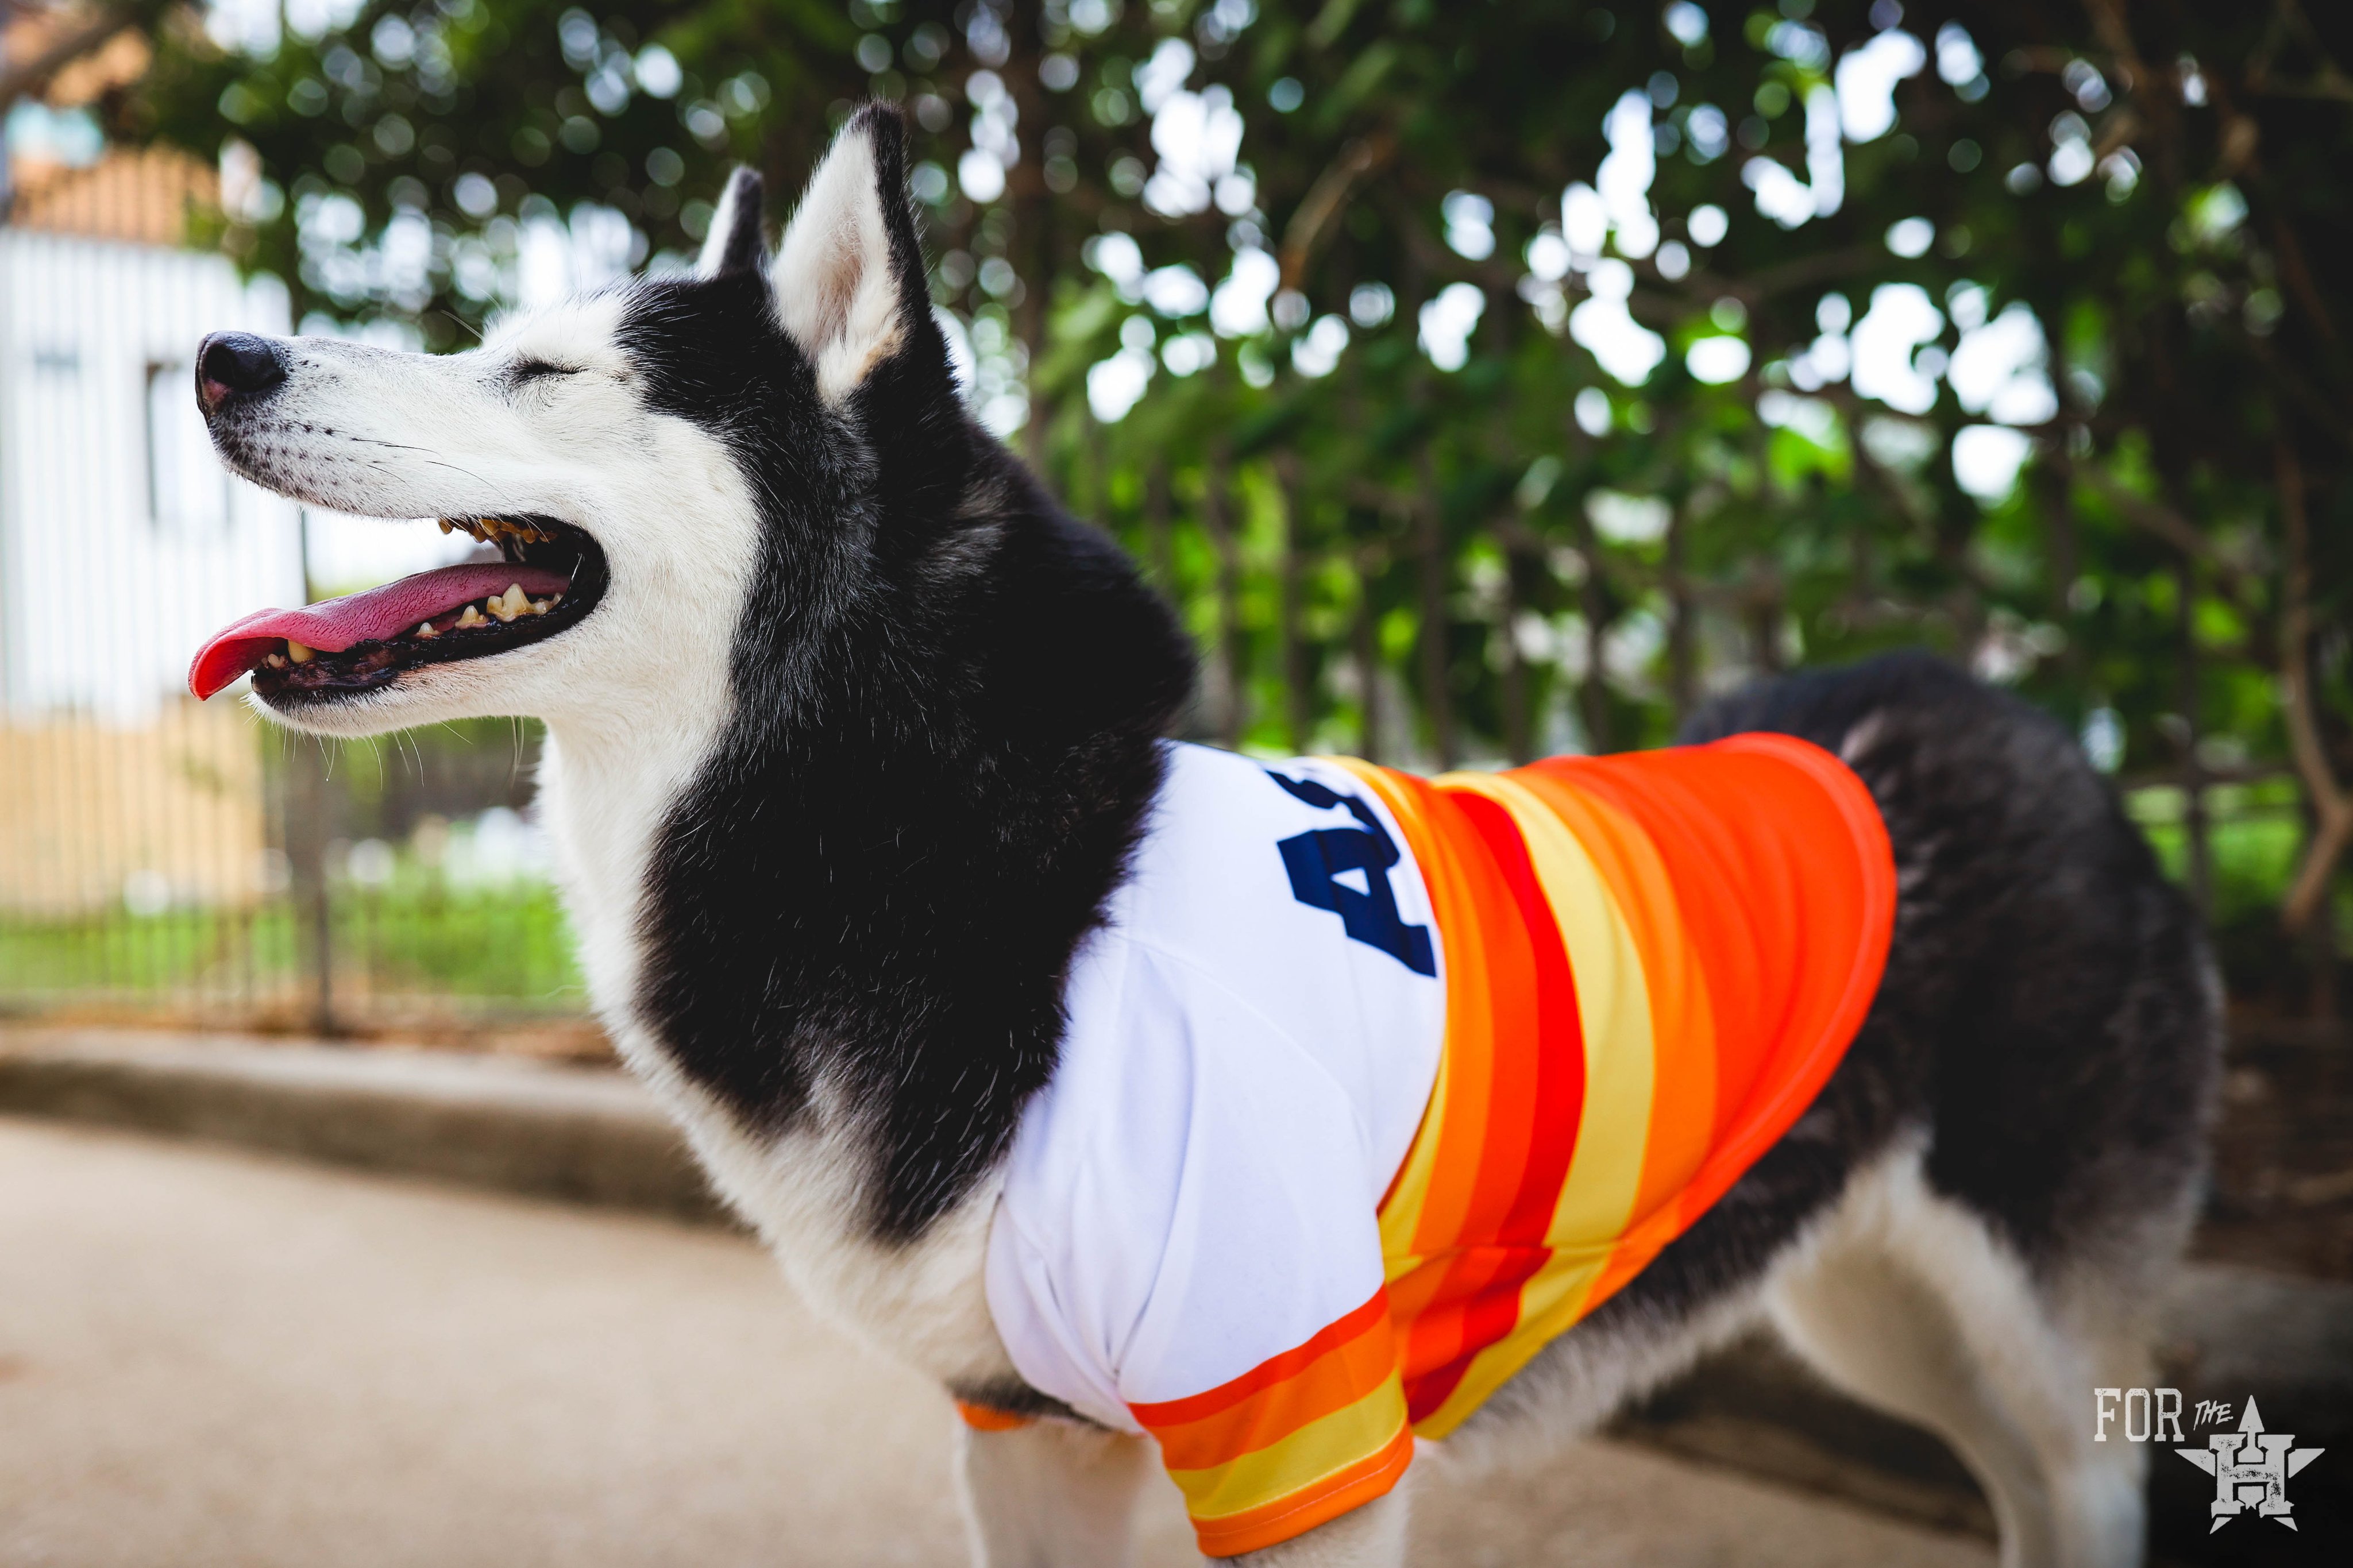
<point x="205" y="869"/>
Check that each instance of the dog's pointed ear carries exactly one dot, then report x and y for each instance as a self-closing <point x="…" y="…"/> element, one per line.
<point x="849" y="273"/>
<point x="734" y="243"/>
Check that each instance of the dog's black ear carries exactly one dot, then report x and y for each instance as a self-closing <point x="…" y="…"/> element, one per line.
<point x="734" y="243"/>
<point x="849" y="273"/>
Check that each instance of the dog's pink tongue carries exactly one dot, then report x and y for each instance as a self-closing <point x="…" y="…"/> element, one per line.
<point x="377" y="613"/>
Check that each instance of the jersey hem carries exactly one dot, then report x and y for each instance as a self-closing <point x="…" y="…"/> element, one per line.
<point x="1270" y="1524"/>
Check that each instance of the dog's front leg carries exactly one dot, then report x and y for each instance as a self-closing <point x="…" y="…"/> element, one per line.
<point x="1051" y="1494"/>
<point x="1371" y="1536"/>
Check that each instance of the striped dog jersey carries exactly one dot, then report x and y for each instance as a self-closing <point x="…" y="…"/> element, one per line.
<point x="1374" y="1085"/>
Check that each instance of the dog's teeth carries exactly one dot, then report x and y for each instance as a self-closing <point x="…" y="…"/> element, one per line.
<point x="276" y="661"/>
<point x="538" y="606"/>
<point x="447" y="526"/>
<point x="509" y="605"/>
<point x="296" y="652"/>
<point x="425" y="629"/>
<point x="471" y="616"/>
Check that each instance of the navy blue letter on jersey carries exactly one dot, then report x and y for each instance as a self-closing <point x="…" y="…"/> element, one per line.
<point x="1315" y="861"/>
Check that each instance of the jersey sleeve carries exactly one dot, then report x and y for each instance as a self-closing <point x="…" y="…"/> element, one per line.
<point x="1185" y="1249"/>
<point x="1302" y="1437"/>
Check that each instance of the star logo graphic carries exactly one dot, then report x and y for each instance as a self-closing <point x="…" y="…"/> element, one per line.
<point x="2250" y="1469"/>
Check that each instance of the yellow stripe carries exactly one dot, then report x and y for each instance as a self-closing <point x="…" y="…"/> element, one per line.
<point x="1352" y="1433"/>
<point x="1400" y="1216"/>
<point x="1681" y="1120"/>
<point x="1613" y="1003"/>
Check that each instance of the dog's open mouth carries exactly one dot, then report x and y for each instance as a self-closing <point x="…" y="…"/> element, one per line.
<point x="547" y="576"/>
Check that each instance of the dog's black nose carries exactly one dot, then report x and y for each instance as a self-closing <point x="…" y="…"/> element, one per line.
<point x="237" y="364"/>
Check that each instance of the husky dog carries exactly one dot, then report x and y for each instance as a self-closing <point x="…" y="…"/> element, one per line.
<point x="851" y="732"/>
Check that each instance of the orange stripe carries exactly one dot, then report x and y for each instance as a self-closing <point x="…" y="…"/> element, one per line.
<point x="1706" y="863"/>
<point x="1813" y="881"/>
<point x="1754" y="924"/>
<point x="1482" y="952"/>
<point x="1413" y="1291"/>
<point x="1340" y="1366"/>
<point x="1254" y="1530"/>
<point x="1765" y="890"/>
<point x="1464" y="1172"/>
<point x="1509" y="1139"/>
<point x="1487" y="1309"/>
<point x="1545" y="1088"/>
<point x="1437" y="1335"/>
<point x="1434" y="1185"/>
<point x="1683" y="1076"/>
<point x="982" y="1419"/>
<point x="1851" y="898"/>
<point x="1374" y="1314"/>
<point x="1400" y="1206"/>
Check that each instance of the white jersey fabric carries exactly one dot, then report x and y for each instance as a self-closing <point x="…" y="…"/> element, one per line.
<point x="1253" y="1036"/>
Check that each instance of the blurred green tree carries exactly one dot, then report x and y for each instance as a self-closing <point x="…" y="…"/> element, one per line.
<point x="1494" y="378"/>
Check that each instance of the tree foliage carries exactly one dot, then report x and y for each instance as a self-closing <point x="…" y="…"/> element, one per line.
<point x="1492" y="378"/>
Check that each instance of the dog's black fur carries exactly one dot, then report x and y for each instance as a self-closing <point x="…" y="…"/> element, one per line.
<point x="949" y="697"/>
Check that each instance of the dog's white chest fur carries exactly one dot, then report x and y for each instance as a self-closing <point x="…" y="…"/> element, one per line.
<point x="604" y="797"/>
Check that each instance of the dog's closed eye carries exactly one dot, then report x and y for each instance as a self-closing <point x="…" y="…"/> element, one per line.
<point x="522" y="372"/>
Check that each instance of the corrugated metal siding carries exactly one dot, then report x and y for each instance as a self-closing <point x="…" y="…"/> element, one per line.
<point x="101" y="602"/>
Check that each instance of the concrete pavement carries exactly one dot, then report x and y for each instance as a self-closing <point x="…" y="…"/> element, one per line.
<point x="209" y="1356"/>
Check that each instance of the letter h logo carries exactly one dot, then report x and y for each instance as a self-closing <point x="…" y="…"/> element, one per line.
<point x="2250" y="1469"/>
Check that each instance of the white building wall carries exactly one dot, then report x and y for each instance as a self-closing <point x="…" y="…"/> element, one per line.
<point x="102" y="601"/>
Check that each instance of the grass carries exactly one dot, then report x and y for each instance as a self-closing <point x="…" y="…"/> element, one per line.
<point x="415" y="940"/>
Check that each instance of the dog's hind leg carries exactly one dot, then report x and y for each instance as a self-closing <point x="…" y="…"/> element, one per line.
<point x="1051" y="1494"/>
<point x="1909" y="1302"/>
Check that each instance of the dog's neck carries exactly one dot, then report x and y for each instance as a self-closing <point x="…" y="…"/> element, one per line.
<point x="845" y="889"/>
<point x="605" y="790"/>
